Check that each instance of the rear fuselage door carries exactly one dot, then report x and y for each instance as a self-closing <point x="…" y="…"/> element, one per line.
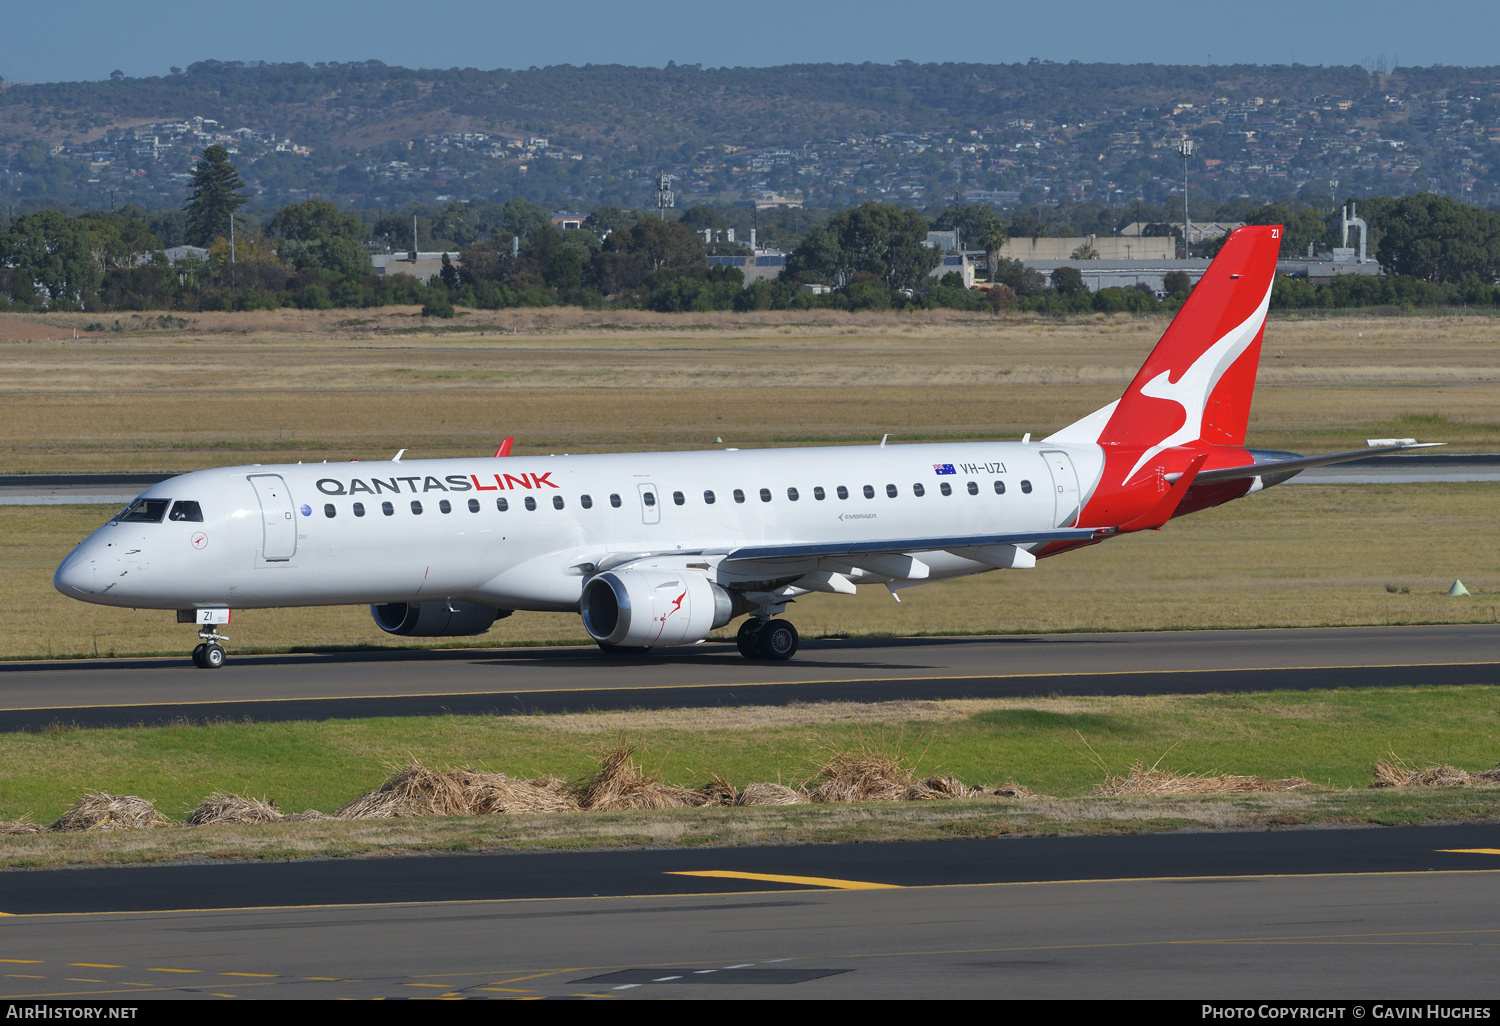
<point x="278" y="516"/>
<point x="1064" y="486"/>
<point x="650" y="504"/>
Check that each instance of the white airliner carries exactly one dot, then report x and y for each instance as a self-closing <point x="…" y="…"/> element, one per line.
<point x="656" y="549"/>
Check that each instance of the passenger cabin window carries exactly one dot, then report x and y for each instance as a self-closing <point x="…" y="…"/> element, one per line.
<point x="945" y="488"/>
<point x="918" y="490"/>
<point x="739" y="495"/>
<point x="557" y="502"/>
<point x="869" y="491"/>
<point x="791" y="493"/>
<point x="679" y="498"/>
<point x="586" y="501"/>
<point x="649" y="498"/>
<point x="359" y="509"/>
<point x="502" y="504"/>
<point x="144" y="511"/>
<point x="444" y="506"/>
<point x="765" y="495"/>
<point x="416" y="507"/>
<point x="973" y="487"/>
<point x="473" y="505"/>
<point x="329" y="511"/>
<point x="614" y="500"/>
<point x="530" y="503"/>
<point x="187" y="511"/>
<point x="387" y="508"/>
<point x="842" y="492"/>
<point x="999" y="487"/>
<point x="819" y="494"/>
<point x="708" y="498"/>
<point x="890" y="491"/>
<point x="1026" y="487"/>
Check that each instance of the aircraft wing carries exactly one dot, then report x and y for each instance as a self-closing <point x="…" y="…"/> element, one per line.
<point x="1289" y="467"/>
<point x="903" y="545"/>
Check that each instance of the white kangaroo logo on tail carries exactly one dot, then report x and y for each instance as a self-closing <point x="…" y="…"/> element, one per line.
<point x="1191" y="391"/>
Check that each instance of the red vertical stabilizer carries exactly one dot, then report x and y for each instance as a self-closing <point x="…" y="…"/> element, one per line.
<point x="1197" y="384"/>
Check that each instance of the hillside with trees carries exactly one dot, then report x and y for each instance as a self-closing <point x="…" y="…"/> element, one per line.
<point x="833" y="136"/>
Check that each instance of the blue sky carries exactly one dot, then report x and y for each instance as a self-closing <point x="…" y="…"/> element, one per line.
<point x="87" y="39"/>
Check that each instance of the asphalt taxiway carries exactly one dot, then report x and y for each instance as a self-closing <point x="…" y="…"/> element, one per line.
<point x="480" y="681"/>
<point x="1393" y="912"/>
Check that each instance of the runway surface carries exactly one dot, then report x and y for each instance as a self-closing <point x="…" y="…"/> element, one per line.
<point x="555" y="680"/>
<point x="1389" y="913"/>
<point x="480" y="681"/>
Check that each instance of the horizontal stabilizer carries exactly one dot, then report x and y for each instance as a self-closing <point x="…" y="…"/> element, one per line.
<point x="1278" y="467"/>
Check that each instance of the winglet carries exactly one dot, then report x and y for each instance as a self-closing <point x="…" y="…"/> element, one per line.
<point x="1153" y="519"/>
<point x="504" y="449"/>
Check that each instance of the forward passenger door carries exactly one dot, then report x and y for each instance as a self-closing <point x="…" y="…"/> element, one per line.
<point x="278" y="518"/>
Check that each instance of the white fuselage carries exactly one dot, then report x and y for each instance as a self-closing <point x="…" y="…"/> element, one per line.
<point x="290" y="535"/>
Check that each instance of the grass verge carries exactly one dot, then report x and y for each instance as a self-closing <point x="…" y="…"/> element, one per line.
<point x="1060" y="747"/>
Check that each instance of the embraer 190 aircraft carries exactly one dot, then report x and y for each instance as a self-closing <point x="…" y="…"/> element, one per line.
<point x="660" y="548"/>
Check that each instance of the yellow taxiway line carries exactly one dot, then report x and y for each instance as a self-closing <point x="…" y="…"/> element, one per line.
<point x="810" y="881"/>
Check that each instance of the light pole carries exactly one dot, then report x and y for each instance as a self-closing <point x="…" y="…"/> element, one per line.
<point x="1186" y="149"/>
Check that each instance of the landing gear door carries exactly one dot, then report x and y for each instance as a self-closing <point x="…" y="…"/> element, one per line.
<point x="650" y="504"/>
<point x="1064" y="487"/>
<point x="278" y="517"/>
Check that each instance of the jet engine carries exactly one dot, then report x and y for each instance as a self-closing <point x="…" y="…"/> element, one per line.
<point x="648" y="608"/>
<point x="435" y="619"/>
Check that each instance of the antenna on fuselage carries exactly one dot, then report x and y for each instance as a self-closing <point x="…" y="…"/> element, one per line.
<point x="882" y="440"/>
<point x="397" y="458"/>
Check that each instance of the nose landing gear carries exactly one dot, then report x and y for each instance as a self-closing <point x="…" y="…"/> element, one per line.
<point x="210" y="655"/>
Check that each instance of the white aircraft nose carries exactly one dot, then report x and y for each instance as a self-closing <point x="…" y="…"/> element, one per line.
<point x="76" y="575"/>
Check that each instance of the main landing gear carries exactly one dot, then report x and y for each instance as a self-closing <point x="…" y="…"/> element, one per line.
<point x="210" y="655"/>
<point x="767" y="639"/>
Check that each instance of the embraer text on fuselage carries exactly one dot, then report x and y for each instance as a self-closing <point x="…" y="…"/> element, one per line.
<point x="448" y="483"/>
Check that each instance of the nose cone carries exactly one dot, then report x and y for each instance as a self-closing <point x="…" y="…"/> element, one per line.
<point x="76" y="575"/>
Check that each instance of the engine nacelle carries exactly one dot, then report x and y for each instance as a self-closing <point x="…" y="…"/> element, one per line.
<point x="648" y="608"/>
<point x="435" y="619"/>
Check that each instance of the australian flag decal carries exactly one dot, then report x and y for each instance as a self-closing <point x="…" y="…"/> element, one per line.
<point x="943" y="468"/>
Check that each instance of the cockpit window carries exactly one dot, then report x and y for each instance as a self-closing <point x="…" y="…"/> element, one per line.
<point x="144" y="511"/>
<point x="187" y="511"/>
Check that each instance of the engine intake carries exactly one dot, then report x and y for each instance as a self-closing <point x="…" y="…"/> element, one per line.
<point x="435" y="619"/>
<point x="651" y="608"/>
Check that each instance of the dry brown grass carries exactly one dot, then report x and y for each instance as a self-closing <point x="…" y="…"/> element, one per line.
<point x="619" y="784"/>
<point x="1155" y="782"/>
<point x="419" y="791"/>
<point x="290" y="385"/>
<point x="866" y="776"/>
<point x="223" y="807"/>
<point x="490" y="794"/>
<point x="769" y="794"/>
<point x="1396" y="772"/>
<point x="99" y="811"/>
<point x="19" y="828"/>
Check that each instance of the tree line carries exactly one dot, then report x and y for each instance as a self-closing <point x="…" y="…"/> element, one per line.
<point x="1435" y="250"/>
